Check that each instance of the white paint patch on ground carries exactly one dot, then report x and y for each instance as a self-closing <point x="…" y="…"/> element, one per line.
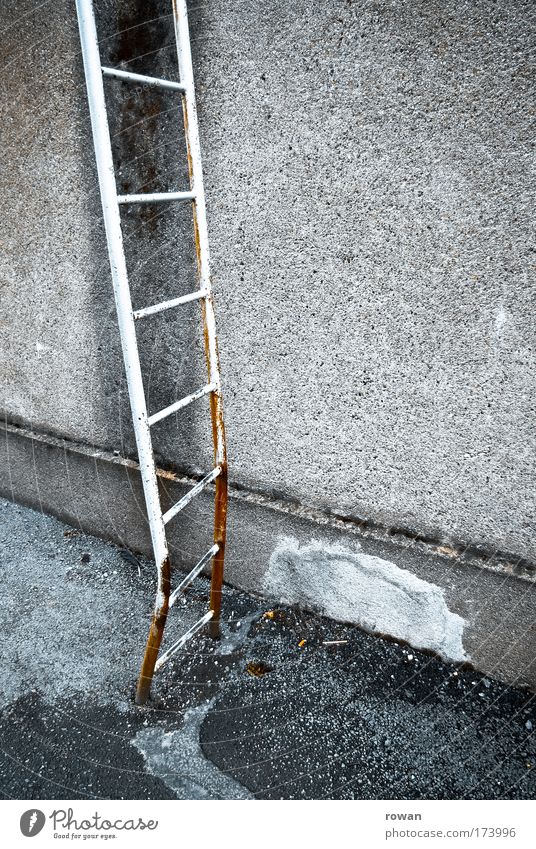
<point x="351" y="586"/>
<point x="232" y="640"/>
<point x="176" y="758"/>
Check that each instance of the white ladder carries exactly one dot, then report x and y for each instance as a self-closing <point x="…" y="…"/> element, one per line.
<point x="127" y="319"/>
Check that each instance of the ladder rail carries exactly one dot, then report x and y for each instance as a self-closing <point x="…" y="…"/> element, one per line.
<point x="193" y="146"/>
<point x="127" y="332"/>
<point x="114" y="238"/>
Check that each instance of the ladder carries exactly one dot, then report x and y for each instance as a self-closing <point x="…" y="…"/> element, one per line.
<point x="127" y="319"/>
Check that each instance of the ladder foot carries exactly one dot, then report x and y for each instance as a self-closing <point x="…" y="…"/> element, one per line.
<point x="143" y="691"/>
<point x="214" y="630"/>
<point x="156" y="632"/>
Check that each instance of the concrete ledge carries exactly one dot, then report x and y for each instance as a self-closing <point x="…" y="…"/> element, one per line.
<point x="462" y="605"/>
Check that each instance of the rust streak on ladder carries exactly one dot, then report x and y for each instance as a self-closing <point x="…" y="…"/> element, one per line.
<point x="220" y="532"/>
<point x="220" y="452"/>
<point x="156" y="632"/>
<point x="212" y="360"/>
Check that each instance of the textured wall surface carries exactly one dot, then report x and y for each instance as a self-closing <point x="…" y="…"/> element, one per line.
<point x="370" y="180"/>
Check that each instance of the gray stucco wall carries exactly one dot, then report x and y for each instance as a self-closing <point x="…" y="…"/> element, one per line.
<point x="370" y="183"/>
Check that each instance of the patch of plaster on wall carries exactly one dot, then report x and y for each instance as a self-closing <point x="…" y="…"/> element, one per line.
<point x="377" y="595"/>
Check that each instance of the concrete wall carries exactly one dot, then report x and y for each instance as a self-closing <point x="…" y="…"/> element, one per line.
<point x="370" y="190"/>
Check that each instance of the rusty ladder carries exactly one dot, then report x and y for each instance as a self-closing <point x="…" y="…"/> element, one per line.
<point x="127" y="318"/>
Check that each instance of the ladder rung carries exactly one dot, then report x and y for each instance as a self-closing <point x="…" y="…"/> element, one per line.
<point x="195" y="490"/>
<point x="128" y="76"/>
<point x="174" y="302"/>
<point x="182" y="640"/>
<point x="178" y="405"/>
<point x="186" y="581"/>
<point x="158" y="197"/>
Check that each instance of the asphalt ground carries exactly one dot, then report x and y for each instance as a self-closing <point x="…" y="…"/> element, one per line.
<point x="287" y="704"/>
